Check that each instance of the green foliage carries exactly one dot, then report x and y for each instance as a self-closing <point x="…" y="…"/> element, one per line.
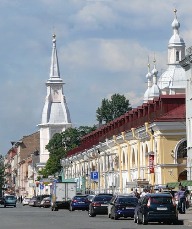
<point x="60" y="144"/>
<point x="113" y="108"/>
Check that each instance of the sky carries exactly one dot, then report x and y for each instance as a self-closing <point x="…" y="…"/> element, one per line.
<point x="103" y="48"/>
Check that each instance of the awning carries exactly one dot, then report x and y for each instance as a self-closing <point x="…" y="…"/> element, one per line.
<point x="177" y="184"/>
<point x="186" y="183"/>
<point x="173" y="184"/>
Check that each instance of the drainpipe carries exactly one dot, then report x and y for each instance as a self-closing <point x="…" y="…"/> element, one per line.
<point x="138" y="151"/>
<point x="120" y="169"/>
<point x="151" y="140"/>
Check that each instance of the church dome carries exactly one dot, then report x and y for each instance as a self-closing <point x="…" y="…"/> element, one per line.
<point x="175" y="24"/>
<point x="172" y="78"/>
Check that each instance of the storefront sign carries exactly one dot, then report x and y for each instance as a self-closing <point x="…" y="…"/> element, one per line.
<point x="151" y="163"/>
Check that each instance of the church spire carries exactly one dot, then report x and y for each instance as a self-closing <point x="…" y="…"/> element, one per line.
<point x="149" y="84"/>
<point x="55" y="114"/>
<point x="176" y="46"/>
<point x="173" y="80"/>
<point x="54" y="70"/>
<point x="155" y="91"/>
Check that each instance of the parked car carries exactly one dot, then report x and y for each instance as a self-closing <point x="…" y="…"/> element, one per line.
<point x="99" y="205"/>
<point x="26" y="201"/>
<point x="79" y="202"/>
<point x="122" y="206"/>
<point x="156" y="208"/>
<point x="90" y="197"/>
<point x="32" y="201"/>
<point x="10" y="200"/>
<point x="38" y="200"/>
<point x="1" y="200"/>
<point x="106" y="194"/>
<point x="46" y="202"/>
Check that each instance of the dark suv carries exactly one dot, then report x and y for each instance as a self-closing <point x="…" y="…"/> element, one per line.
<point x="156" y="208"/>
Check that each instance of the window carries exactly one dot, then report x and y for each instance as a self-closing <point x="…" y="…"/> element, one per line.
<point x="177" y="55"/>
<point x="182" y="150"/>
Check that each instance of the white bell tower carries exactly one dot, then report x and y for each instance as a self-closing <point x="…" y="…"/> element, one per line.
<point x="55" y="115"/>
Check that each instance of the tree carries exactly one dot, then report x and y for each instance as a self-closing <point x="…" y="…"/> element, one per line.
<point x="113" y="108"/>
<point x="60" y="144"/>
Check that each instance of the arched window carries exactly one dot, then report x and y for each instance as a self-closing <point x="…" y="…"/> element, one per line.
<point x="177" y="55"/>
<point x="182" y="150"/>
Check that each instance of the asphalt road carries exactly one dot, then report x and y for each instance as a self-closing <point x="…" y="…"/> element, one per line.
<point x="25" y="217"/>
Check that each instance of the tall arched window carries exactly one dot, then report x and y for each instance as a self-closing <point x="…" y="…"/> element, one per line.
<point x="177" y="55"/>
<point x="182" y="150"/>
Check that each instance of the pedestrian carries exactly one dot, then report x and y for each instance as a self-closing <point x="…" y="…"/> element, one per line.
<point x="181" y="199"/>
<point x="21" y="199"/>
<point x="145" y="192"/>
<point x="137" y="194"/>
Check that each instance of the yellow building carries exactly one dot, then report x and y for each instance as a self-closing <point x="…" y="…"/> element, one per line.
<point x="146" y="147"/>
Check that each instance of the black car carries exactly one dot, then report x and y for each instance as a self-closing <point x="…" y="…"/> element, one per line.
<point x="122" y="206"/>
<point x="156" y="208"/>
<point x="37" y="202"/>
<point x="99" y="205"/>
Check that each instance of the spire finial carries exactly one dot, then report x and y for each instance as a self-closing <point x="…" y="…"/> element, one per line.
<point x="154" y="60"/>
<point x="154" y="71"/>
<point x="148" y="64"/>
<point x="175" y="11"/>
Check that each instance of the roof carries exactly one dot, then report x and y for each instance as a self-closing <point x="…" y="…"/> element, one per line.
<point x="168" y="108"/>
<point x="176" y="114"/>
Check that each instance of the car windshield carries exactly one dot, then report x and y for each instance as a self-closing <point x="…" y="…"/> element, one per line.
<point x="128" y="200"/>
<point x="102" y="198"/>
<point x="161" y="200"/>
<point x="10" y="197"/>
<point x="80" y="198"/>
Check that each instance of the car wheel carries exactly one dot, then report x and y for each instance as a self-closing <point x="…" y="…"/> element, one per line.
<point x="144" y="221"/>
<point x="176" y="222"/>
<point x="14" y="206"/>
<point x="116" y="217"/>
<point x="4" y="206"/>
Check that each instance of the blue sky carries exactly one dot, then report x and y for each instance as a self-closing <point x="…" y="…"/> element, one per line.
<point x="103" y="47"/>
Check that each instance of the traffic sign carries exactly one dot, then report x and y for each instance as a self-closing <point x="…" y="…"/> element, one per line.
<point x="41" y="186"/>
<point x="94" y="175"/>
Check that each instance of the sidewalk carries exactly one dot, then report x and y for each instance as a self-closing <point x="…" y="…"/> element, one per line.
<point x="187" y="217"/>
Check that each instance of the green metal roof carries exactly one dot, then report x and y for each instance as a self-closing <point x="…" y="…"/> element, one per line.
<point x="173" y="184"/>
<point x="186" y="183"/>
<point x="177" y="184"/>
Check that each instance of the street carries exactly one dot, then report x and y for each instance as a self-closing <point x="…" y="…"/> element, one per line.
<point x="25" y="217"/>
